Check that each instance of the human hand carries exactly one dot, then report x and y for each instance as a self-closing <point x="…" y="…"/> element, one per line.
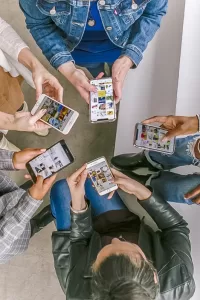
<point x="76" y="184"/>
<point x="22" y="157"/>
<point x="194" y="195"/>
<point x="46" y="83"/>
<point x="41" y="187"/>
<point x="130" y="186"/>
<point x="79" y="80"/>
<point x="175" y="125"/>
<point x="120" y="69"/>
<point x="24" y="121"/>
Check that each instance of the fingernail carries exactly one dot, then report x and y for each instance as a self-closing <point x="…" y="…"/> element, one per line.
<point x="42" y="150"/>
<point x="164" y="140"/>
<point x="85" y="172"/>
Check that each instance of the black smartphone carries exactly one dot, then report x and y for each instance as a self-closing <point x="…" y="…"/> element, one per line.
<point x="56" y="158"/>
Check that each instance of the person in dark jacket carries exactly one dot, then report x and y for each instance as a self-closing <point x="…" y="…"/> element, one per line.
<point x="103" y="251"/>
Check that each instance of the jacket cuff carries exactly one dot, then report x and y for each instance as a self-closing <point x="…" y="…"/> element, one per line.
<point x="6" y="160"/>
<point x="60" y="58"/>
<point x="133" y="53"/>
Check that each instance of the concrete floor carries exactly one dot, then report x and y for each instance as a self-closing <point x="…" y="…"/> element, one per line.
<point x="32" y="276"/>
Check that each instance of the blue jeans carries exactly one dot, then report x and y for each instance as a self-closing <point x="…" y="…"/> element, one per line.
<point x="60" y="199"/>
<point x="95" y="69"/>
<point x="171" y="186"/>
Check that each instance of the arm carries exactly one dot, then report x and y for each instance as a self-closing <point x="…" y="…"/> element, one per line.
<point x="6" y="160"/>
<point x="14" y="221"/>
<point x="46" y="34"/>
<point x="10" y="41"/>
<point x="175" y="232"/>
<point x="144" y="29"/>
<point x="67" y="243"/>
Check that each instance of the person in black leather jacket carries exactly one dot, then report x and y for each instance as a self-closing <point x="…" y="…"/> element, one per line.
<point x="115" y="255"/>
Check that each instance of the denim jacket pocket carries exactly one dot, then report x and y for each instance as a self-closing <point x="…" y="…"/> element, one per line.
<point x="129" y="10"/>
<point x="54" y="8"/>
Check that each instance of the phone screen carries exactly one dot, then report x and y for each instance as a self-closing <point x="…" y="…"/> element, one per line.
<point x="101" y="176"/>
<point x="150" y="137"/>
<point x="102" y="105"/>
<point x="56" y="115"/>
<point x="50" y="162"/>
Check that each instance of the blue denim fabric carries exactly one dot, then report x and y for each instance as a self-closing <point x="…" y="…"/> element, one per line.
<point x="58" y="26"/>
<point x="171" y="186"/>
<point x="60" y="203"/>
<point x="182" y="156"/>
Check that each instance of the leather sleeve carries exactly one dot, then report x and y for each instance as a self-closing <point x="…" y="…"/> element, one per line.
<point x="72" y="243"/>
<point x="175" y="231"/>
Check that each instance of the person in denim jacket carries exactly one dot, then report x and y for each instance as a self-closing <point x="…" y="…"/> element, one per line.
<point x="91" y="33"/>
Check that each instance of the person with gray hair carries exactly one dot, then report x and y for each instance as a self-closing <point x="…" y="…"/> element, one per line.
<point x="102" y="251"/>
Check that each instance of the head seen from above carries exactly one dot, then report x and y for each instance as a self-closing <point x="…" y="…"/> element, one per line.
<point x="122" y="271"/>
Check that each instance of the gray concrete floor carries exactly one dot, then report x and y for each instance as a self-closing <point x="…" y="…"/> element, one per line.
<point x="32" y="276"/>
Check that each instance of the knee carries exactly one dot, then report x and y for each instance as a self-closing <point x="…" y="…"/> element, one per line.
<point x="59" y="186"/>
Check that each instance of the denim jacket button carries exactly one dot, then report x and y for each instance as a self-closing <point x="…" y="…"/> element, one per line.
<point x="102" y="2"/>
<point x="134" y="5"/>
<point x="53" y="11"/>
<point x="109" y="28"/>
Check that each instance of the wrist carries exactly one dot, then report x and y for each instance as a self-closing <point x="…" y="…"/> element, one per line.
<point x="127" y="61"/>
<point x="67" y="69"/>
<point x="15" y="161"/>
<point x="29" y="60"/>
<point x="143" y="193"/>
<point x="78" y="205"/>
<point x="33" y="193"/>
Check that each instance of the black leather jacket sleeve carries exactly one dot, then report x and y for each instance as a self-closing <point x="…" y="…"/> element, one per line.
<point x="175" y="231"/>
<point x="64" y="243"/>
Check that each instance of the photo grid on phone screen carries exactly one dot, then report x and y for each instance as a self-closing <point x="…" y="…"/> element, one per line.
<point x="57" y="115"/>
<point x="150" y="137"/>
<point x="50" y="162"/>
<point x="102" y="102"/>
<point x="101" y="176"/>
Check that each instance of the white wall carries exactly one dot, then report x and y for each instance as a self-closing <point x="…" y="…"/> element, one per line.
<point x="167" y="82"/>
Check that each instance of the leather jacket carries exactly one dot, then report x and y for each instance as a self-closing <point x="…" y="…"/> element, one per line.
<point x="169" y="249"/>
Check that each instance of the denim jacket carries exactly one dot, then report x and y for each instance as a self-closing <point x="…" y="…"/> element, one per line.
<point x="58" y="26"/>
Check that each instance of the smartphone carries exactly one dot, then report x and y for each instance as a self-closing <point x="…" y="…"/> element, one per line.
<point x="149" y="137"/>
<point x="57" y="115"/>
<point x="102" y="104"/>
<point x="56" y="158"/>
<point x="101" y="176"/>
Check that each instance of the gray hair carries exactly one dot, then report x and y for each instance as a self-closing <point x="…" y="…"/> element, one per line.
<point x="118" y="277"/>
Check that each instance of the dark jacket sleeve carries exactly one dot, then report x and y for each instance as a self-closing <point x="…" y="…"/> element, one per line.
<point x="175" y="231"/>
<point x="66" y="244"/>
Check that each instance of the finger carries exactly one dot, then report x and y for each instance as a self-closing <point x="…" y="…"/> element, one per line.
<point x="172" y="133"/>
<point x="38" y="87"/>
<point x="60" y="93"/>
<point x="117" y="173"/>
<point x="83" y="177"/>
<point x="49" y="181"/>
<point x="39" y="125"/>
<point x="37" y="116"/>
<point x="84" y="94"/>
<point x="88" y="87"/>
<point x="111" y="195"/>
<point x="100" y="75"/>
<point x="117" y="91"/>
<point x="196" y="200"/>
<point x="120" y="181"/>
<point x="27" y="176"/>
<point x="39" y="182"/>
<point x="193" y="193"/>
<point x="77" y="173"/>
<point x="159" y="119"/>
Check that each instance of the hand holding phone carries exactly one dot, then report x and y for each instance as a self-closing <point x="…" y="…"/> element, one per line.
<point x="76" y="184"/>
<point x="57" y="115"/>
<point x="41" y="187"/>
<point x="101" y="176"/>
<point x="102" y="103"/>
<point x="150" y="137"/>
<point x="53" y="160"/>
